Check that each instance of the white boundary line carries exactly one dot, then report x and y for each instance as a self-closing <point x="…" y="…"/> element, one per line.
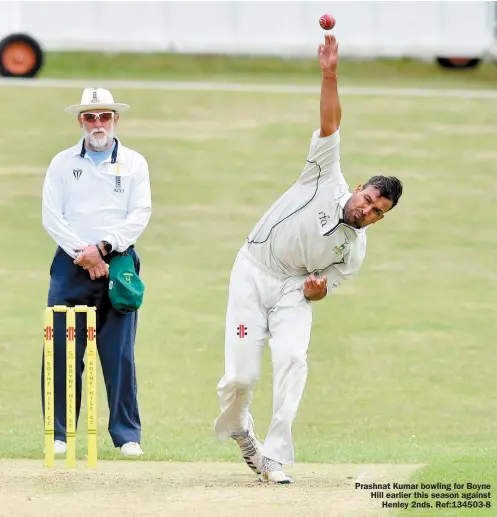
<point x="249" y="88"/>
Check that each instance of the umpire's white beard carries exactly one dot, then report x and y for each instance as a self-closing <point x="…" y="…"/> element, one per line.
<point x="99" y="139"/>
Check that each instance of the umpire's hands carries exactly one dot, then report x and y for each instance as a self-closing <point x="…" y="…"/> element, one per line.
<point x="99" y="271"/>
<point x="315" y="288"/>
<point x="87" y="257"/>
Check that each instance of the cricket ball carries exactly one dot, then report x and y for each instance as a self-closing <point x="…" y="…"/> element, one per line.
<point x="327" y="22"/>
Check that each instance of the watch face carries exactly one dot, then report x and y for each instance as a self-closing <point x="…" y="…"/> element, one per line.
<point x="108" y="246"/>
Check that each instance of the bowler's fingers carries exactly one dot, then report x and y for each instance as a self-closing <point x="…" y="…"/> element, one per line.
<point x="311" y="282"/>
<point x="330" y="39"/>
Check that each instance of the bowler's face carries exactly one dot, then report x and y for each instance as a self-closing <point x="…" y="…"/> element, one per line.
<point x="365" y="207"/>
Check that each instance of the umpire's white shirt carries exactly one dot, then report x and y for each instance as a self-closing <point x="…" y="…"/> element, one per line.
<point x="84" y="204"/>
<point x="303" y="231"/>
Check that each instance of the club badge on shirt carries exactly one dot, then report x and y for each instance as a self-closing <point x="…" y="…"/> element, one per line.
<point x="339" y="250"/>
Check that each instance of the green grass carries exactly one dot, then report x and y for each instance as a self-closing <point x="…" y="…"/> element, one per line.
<point x="385" y="72"/>
<point x="451" y="476"/>
<point x="402" y="359"/>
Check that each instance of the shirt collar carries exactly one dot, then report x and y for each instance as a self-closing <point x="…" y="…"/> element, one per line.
<point x="118" y="155"/>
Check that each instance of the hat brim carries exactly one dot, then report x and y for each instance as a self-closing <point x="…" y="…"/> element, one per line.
<point x="76" y="109"/>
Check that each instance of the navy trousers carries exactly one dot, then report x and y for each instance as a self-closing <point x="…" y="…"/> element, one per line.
<point x="71" y="285"/>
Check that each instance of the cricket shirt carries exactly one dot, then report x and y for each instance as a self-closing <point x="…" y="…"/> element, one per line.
<point x="303" y="231"/>
<point x="85" y="203"/>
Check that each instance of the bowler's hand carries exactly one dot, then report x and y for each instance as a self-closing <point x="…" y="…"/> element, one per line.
<point x="328" y="54"/>
<point x="99" y="271"/>
<point x="315" y="288"/>
<point x="88" y="258"/>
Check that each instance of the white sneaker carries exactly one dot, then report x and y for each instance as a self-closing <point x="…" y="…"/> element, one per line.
<point x="250" y="446"/>
<point x="272" y="472"/>
<point x="131" y="449"/>
<point x="59" y="447"/>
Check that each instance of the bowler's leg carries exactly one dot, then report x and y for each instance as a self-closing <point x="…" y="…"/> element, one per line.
<point x="245" y="332"/>
<point x="290" y="327"/>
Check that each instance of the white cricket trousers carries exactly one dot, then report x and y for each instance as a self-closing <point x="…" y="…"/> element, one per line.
<point x="260" y="305"/>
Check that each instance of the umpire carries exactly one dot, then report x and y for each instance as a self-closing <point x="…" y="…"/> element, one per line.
<point x="96" y="204"/>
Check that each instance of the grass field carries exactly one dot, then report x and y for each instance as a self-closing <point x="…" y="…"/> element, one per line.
<point x="402" y="359"/>
<point x="405" y="72"/>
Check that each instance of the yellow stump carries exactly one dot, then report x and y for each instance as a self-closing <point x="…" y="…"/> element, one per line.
<point x="71" y="387"/>
<point x="49" y="388"/>
<point x="91" y="381"/>
<point x="91" y="358"/>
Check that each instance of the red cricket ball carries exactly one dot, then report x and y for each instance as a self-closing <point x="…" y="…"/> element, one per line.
<point x="327" y="22"/>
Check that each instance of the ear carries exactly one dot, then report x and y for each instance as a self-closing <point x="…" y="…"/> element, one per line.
<point x="358" y="188"/>
<point x="80" y="120"/>
<point x="116" y="118"/>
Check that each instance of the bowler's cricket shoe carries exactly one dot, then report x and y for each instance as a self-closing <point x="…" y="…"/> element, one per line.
<point x="272" y="472"/>
<point x="250" y="446"/>
<point x="131" y="449"/>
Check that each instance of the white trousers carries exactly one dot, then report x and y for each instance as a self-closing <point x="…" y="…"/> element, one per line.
<point x="260" y="305"/>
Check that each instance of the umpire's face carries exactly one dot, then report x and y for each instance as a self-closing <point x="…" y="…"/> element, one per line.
<point x="365" y="207"/>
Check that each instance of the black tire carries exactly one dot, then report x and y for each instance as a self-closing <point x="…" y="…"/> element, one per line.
<point x="458" y="62"/>
<point x="20" y="56"/>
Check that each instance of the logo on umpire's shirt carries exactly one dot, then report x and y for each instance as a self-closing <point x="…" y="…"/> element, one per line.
<point x="77" y="173"/>
<point x="241" y="331"/>
<point x="118" y="187"/>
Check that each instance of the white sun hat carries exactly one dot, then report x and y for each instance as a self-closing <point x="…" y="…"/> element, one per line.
<point x="96" y="98"/>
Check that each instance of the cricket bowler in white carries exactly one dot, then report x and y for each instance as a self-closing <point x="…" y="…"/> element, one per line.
<point x="310" y="241"/>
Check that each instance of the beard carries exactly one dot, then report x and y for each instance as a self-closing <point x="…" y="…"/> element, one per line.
<point x="352" y="216"/>
<point x="99" y="139"/>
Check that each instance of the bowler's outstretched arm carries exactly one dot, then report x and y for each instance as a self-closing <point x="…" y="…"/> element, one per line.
<point x="330" y="109"/>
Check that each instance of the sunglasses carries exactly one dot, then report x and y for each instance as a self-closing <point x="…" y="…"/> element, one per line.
<point x="106" y="116"/>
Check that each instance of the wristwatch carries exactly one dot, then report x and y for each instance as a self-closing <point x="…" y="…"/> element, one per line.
<point x="107" y="246"/>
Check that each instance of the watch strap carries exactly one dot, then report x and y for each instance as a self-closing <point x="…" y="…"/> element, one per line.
<point x="100" y="251"/>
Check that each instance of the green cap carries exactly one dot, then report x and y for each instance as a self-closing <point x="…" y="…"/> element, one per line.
<point x="125" y="286"/>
